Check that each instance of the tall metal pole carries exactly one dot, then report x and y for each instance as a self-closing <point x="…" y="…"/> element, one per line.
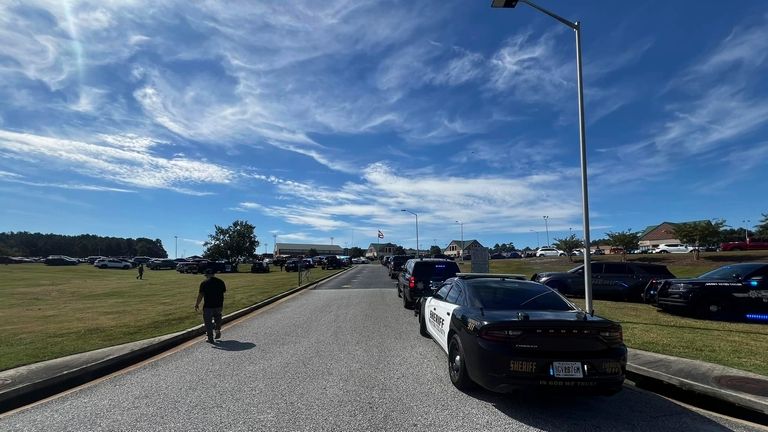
<point x="746" y="233"/>
<point x="546" y="227"/>
<point x="462" y="239"/>
<point x="176" y="253"/>
<point x="584" y="190"/>
<point x="576" y="26"/>
<point x="417" y="230"/>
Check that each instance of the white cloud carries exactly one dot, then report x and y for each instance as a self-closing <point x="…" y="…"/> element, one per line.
<point x="135" y="166"/>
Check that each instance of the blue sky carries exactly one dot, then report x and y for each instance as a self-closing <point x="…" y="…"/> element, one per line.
<point x="314" y="120"/>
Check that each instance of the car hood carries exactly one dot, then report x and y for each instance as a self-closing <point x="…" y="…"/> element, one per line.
<point x="551" y="274"/>
<point x="535" y="315"/>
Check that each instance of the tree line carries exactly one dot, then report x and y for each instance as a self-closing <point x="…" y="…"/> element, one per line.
<point x="28" y="244"/>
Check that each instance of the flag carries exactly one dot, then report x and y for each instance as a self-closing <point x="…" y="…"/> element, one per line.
<point x="381" y="234"/>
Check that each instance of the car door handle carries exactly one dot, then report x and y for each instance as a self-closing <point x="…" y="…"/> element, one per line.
<point x="448" y="313"/>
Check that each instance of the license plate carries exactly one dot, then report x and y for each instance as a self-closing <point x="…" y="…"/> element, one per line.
<point x="567" y="369"/>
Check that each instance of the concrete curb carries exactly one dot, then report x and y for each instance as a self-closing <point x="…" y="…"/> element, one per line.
<point x="27" y="384"/>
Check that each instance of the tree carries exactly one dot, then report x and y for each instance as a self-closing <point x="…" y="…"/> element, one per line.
<point x="312" y="252"/>
<point x="355" y="252"/>
<point x="399" y="250"/>
<point x="626" y="240"/>
<point x="698" y="233"/>
<point x="761" y="229"/>
<point x="568" y="245"/>
<point x="232" y="243"/>
<point x="435" y="250"/>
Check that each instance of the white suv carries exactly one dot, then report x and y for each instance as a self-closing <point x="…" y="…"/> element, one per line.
<point x="673" y="248"/>
<point x="112" y="263"/>
<point x="549" y="251"/>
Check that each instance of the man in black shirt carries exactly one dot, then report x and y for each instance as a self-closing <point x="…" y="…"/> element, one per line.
<point x="212" y="289"/>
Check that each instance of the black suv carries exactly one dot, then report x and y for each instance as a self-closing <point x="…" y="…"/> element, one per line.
<point x="331" y="262"/>
<point x="259" y="267"/>
<point x="418" y="276"/>
<point x="396" y="264"/>
<point x="610" y="279"/>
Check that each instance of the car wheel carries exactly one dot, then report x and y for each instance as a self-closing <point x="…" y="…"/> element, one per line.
<point x="406" y="303"/>
<point x="736" y="249"/>
<point x="423" y="322"/>
<point x="126" y="267"/>
<point x="562" y="254"/>
<point x="664" y="251"/>
<point x="103" y="266"/>
<point x="457" y="368"/>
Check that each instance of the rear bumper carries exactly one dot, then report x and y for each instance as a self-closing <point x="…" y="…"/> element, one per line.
<point x="603" y="372"/>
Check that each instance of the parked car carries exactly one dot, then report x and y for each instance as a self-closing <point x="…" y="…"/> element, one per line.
<point x="735" y="291"/>
<point x="332" y="262"/>
<point x="112" y="263"/>
<point x="140" y="260"/>
<point x="292" y="265"/>
<point x="504" y="334"/>
<point x="187" y="267"/>
<point x="420" y="274"/>
<point x="396" y="264"/>
<point x="359" y="260"/>
<point x="259" y="267"/>
<point x="161" y="264"/>
<point x="598" y="251"/>
<point x="549" y="251"/>
<point x="60" y="260"/>
<point x="673" y="248"/>
<point x="610" y="279"/>
<point x="749" y="244"/>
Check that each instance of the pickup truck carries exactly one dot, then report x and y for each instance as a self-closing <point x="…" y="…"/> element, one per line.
<point x="750" y="244"/>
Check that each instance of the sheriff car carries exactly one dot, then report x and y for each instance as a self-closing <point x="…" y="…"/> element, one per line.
<point x="504" y="333"/>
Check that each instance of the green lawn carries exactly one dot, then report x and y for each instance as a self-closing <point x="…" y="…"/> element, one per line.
<point x="737" y="345"/>
<point x="49" y="312"/>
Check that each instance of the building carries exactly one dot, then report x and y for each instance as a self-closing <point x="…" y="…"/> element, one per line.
<point x="455" y="247"/>
<point x="300" y="249"/>
<point x="377" y="250"/>
<point x="654" y="235"/>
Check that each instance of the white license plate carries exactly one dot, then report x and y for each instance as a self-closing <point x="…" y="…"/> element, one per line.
<point x="567" y="369"/>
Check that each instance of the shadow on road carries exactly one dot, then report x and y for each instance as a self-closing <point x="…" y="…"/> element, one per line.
<point x="233" y="345"/>
<point x="629" y="410"/>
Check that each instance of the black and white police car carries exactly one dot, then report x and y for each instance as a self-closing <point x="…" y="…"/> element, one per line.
<point x="503" y="333"/>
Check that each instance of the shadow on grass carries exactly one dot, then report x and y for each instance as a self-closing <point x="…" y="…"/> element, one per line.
<point x="732" y="258"/>
<point x="233" y="345"/>
<point x="699" y="328"/>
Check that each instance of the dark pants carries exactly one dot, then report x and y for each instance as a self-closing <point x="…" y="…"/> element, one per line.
<point x="211" y="319"/>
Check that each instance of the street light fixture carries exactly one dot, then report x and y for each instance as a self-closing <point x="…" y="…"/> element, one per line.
<point x="746" y="232"/>
<point x="576" y="27"/>
<point x="546" y="227"/>
<point x="417" y="230"/>
<point x="462" y="239"/>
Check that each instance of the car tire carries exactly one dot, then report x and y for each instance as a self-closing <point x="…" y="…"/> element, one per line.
<point x="103" y="266"/>
<point x="457" y="368"/>
<point x="664" y="251"/>
<point x="126" y="267"/>
<point x="406" y="303"/>
<point x="423" y="322"/>
<point x="562" y="254"/>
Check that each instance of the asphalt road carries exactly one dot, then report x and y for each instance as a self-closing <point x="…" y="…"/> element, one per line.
<point x="343" y="356"/>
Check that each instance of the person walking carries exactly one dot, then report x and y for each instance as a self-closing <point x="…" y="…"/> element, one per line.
<point x="141" y="272"/>
<point x="212" y="289"/>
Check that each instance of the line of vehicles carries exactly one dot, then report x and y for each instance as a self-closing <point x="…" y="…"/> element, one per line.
<point x="503" y="332"/>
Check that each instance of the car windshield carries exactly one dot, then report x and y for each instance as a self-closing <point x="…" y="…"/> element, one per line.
<point x="729" y="271"/>
<point x="505" y="294"/>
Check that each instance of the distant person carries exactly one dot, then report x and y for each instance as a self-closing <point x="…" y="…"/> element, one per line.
<point x="282" y="263"/>
<point x="141" y="272"/>
<point x="212" y="289"/>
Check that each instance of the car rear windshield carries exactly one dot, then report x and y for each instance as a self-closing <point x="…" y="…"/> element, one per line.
<point x="429" y="270"/>
<point x="400" y="259"/>
<point x="656" y="270"/>
<point x="498" y="294"/>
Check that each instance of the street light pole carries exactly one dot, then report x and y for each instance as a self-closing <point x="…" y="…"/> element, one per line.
<point x="546" y="227"/>
<point x="462" y="239"/>
<point x="538" y="244"/>
<point x="417" y="230"/>
<point x="176" y="239"/>
<point x="746" y="232"/>
<point x="576" y="27"/>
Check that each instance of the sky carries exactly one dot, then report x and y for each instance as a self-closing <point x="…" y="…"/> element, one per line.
<point x="323" y="120"/>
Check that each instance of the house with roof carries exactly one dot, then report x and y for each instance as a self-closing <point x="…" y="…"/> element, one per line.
<point x="457" y="248"/>
<point x="664" y="233"/>
<point x="377" y="250"/>
<point x="302" y="249"/>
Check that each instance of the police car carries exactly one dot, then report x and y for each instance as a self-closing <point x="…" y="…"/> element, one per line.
<point x="503" y="332"/>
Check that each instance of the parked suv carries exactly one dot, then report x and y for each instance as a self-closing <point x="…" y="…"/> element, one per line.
<point x="673" y="248"/>
<point x="610" y="279"/>
<point x="332" y="262"/>
<point x="549" y="251"/>
<point x="419" y="275"/>
<point x="396" y="264"/>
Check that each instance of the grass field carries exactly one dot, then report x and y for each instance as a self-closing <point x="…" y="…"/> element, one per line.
<point x="49" y="312"/>
<point x="738" y="345"/>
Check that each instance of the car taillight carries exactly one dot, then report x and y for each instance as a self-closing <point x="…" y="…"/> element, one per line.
<point x="613" y="335"/>
<point x="412" y="282"/>
<point x="499" y="334"/>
